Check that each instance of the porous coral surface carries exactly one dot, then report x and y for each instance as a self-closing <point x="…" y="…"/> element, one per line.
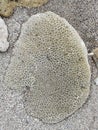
<point x="50" y="62"/>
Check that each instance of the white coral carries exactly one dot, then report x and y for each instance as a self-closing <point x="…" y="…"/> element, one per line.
<point x="4" y="44"/>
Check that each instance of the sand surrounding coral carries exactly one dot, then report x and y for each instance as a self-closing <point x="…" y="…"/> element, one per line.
<point x="83" y="15"/>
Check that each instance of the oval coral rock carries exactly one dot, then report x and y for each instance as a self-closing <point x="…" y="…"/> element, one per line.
<point x="50" y="61"/>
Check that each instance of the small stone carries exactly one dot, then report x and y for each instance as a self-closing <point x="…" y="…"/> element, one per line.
<point x="4" y="44"/>
<point x="96" y="81"/>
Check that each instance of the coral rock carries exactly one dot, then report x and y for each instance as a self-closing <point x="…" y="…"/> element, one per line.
<point x="50" y="62"/>
<point x="7" y="6"/>
<point x="4" y="44"/>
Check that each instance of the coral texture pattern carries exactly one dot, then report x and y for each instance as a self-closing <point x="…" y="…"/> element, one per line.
<point x="50" y="62"/>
